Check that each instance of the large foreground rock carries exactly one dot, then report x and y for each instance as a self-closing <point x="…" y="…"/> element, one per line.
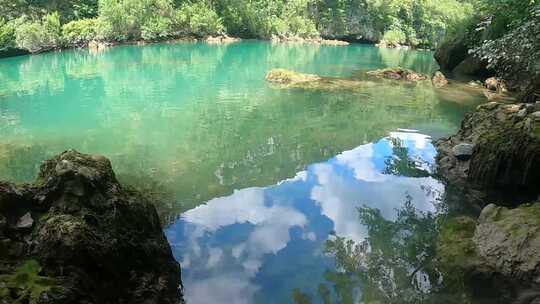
<point x="497" y="256"/>
<point x="78" y="236"/>
<point x="505" y="159"/>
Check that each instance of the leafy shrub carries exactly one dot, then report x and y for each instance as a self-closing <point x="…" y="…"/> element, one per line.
<point x="121" y="20"/>
<point x="394" y="37"/>
<point x="79" y="32"/>
<point x="198" y="19"/>
<point x="38" y="36"/>
<point x="157" y="28"/>
<point x="516" y="55"/>
<point x="7" y="34"/>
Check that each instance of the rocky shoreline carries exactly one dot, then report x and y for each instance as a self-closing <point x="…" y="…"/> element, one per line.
<point x="494" y="162"/>
<point x="77" y="236"/>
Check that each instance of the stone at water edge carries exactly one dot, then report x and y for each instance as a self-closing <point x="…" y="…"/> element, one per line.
<point x="509" y="240"/>
<point x="496" y="84"/>
<point x="499" y="252"/>
<point x="536" y="115"/>
<point x="463" y="151"/>
<point x="439" y="80"/>
<point x="97" y="240"/>
<point x="25" y="221"/>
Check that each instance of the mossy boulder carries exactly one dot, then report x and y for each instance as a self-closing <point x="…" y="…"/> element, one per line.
<point x="497" y="256"/>
<point x="283" y="78"/>
<point x="505" y="161"/>
<point x="98" y="241"/>
<point x="509" y="240"/>
<point x="398" y="74"/>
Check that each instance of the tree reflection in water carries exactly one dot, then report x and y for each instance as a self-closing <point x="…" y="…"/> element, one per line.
<point x="396" y="263"/>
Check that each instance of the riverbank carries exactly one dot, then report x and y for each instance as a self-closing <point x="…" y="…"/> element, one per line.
<point x="76" y="235"/>
<point x="95" y="45"/>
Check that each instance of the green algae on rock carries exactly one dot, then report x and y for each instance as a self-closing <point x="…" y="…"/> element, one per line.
<point x="25" y="283"/>
<point x="397" y="73"/>
<point x="98" y="241"/>
<point x="291" y="79"/>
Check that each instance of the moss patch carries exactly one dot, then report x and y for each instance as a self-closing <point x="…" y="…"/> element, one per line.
<point x="290" y="79"/>
<point x="455" y="247"/>
<point x="25" y="285"/>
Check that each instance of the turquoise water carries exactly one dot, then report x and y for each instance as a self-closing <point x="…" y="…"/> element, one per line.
<point x="264" y="176"/>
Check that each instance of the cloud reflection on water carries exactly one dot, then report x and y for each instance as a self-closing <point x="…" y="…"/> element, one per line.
<point x="257" y="244"/>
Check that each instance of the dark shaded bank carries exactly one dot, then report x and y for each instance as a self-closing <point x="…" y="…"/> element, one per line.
<point x="12" y="52"/>
<point x="77" y="236"/>
<point x="454" y="58"/>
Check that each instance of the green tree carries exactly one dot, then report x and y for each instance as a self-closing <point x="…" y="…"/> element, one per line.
<point x="39" y="36"/>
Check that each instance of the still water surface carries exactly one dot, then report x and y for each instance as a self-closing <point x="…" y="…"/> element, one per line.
<point x="265" y="177"/>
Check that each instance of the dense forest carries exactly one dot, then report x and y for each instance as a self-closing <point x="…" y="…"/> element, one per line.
<point x="40" y="25"/>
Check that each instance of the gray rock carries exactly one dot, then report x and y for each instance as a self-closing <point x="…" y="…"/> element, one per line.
<point x="463" y="151"/>
<point x="26" y="221"/>
<point x="509" y="240"/>
<point x="536" y="115"/>
<point x="521" y="113"/>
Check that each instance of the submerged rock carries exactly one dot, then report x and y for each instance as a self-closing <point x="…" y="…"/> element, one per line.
<point x="439" y="80"/>
<point x="397" y="74"/>
<point x="505" y="159"/>
<point x="96" y="240"/>
<point x="290" y="79"/>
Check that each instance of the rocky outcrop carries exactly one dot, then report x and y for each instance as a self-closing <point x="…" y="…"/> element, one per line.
<point x="283" y="78"/>
<point x="78" y="236"/>
<point x="439" y="80"/>
<point x="451" y="53"/>
<point x="508" y="240"/>
<point x="498" y="255"/>
<point x="453" y="56"/>
<point x="398" y="74"/>
<point x="505" y="159"/>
